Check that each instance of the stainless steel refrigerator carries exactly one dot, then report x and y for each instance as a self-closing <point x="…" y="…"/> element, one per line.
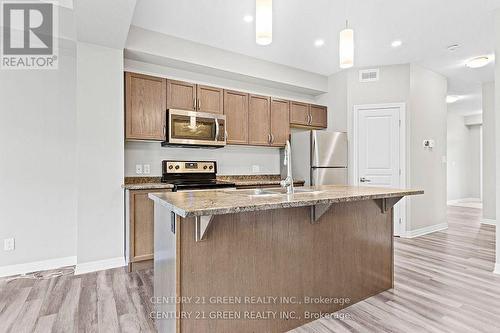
<point x="319" y="157"/>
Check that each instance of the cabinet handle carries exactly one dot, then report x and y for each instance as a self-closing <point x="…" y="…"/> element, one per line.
<point x="199" y="104"/>
<point x="269" y="138"/>
<point x="272" y="138"/>
<point x="194" y="103"/>
<point x="310" y="119"/>
<point x="165" y="131"/>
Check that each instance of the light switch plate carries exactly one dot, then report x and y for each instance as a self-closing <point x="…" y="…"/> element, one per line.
<point x="147" y="169"/>
<point x="9" y="244"/>
<point x="138" y="169"/>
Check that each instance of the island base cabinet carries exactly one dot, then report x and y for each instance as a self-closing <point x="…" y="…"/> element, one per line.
<point x="272" y="270"/>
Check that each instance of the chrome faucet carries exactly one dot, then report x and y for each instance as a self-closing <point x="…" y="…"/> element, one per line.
<point x="287" y="161"/>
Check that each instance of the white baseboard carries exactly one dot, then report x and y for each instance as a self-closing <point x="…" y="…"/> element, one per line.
<point x="497" y="269"/>
<point x="489" y="221"/>
<point x="458" y="201"/>
<point x="100" y="265"/>
<point x="425" y="230"/>
<point x="37" y="266"/>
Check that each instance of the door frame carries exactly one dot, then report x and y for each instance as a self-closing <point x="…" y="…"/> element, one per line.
<point x="354" y="147"/>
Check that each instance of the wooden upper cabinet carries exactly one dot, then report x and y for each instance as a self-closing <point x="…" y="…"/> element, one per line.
<point x="280" y="122"/>
<point x="299" y="113"/>
<point x="236" y="111"/>
<point x="319" y="116"/>
<point x="181" y="95"/>
<point x="210" y="99"/>
<point x="259" y="108"/>
<point x="145" y="107"/>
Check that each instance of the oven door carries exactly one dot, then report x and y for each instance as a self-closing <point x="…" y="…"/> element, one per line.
<point x="196" y="128"/>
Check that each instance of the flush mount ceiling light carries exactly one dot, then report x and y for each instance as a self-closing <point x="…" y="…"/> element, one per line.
<point x="450" y="99"/>
<point x="346" y="47"/>
<point x="453" y="47"/>
<point x="478" y="62"/>
<point x="248" y="18"/>
<point x="319" y="42"/>
<point x="263" y="22"/>
<point x="396" y="43"/>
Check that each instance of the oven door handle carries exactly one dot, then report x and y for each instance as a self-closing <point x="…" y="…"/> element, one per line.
<point x="216" y="129"/>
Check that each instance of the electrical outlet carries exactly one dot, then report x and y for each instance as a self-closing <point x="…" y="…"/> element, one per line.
<point x="138" y="169"/>
<point x="255" y="168"/>
<point x="147" y="169"/>
<point x="9" y="244"/>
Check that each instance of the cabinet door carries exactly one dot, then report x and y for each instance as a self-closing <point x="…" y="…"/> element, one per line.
<point x="145" y="107"/>
<point x="236" y="111"/>
<point x="141" y="226"/>
<point x="259" y="109"/>
<point x="299" y="113"/>
<point x="280" y="123"/>
<point x="319" y="116"/>
<point x="181" y="95"/>
<point x="210" y="99"/>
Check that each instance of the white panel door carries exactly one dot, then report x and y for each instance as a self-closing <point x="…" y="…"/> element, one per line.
<point x="378" y="151"/>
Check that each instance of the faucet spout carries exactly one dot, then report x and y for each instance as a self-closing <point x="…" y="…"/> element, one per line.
<point x="287" y="183"/>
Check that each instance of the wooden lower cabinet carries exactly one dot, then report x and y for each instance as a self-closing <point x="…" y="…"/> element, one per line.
<point x="141" y="229"/>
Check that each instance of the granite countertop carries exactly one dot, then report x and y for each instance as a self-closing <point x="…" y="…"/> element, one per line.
<point x="148" y="183"/>
<point x="187" y="204"/>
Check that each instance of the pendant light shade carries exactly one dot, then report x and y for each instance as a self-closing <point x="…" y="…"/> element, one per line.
<point x="346" y="48"/>
<point x="264" y="22"/>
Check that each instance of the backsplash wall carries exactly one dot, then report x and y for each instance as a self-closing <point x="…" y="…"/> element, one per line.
<point x="231" y="160"/>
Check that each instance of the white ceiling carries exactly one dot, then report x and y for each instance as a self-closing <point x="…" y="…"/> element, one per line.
<point x="426" y="28"/>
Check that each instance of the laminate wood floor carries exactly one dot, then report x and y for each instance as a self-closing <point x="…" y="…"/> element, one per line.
<point x="443" y="283"/>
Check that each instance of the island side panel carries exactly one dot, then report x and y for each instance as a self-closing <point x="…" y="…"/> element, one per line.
<point x="279" y="253"/>
<point x="166" y="270"/>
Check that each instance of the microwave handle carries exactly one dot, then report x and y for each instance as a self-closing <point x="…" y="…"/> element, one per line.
<point x="216" y="129"/>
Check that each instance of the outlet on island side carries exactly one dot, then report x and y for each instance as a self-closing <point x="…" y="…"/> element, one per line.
<point x="9" y="244"/>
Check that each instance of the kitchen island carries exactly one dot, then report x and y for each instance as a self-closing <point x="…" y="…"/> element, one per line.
<point x="267" y="261"/>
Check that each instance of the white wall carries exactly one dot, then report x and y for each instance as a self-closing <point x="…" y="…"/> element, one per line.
<point x="464" y="158"/>
<point x="232" y="160"/>
<point x="37" y="161"/>
<point x="426" y="168"/>
<point x="497" y="129"/>
<point x="100" y="153"/>
<point x="489" y="175"/>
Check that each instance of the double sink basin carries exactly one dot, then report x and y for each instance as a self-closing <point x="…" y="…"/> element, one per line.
<point x="258" y="192"/>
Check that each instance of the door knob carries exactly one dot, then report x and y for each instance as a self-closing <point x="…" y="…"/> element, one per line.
<point x="364" y="180"/>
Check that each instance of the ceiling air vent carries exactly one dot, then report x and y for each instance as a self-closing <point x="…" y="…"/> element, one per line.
<point x="368" y="75"/>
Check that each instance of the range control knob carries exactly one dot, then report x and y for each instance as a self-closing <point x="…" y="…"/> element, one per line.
<point x="170" y="166"/>
<point x="176" y="167"/>
<point x="211" y="167"/>
<point x="205" y="167"/>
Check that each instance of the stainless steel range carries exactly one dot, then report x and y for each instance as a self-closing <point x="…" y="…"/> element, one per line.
<point x="193" y="176"/>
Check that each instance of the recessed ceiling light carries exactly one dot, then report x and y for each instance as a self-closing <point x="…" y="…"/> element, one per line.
<point x="452" y="98"/>
<point x="396" y="43"/>
<point x="478" y="62"/>
<point x="248" y="18"/>
<point x="319" y="42"/>
<point x="453" y="47"/>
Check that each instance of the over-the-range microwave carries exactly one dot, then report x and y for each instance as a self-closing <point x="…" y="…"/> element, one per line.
<point x="195" y="129"/>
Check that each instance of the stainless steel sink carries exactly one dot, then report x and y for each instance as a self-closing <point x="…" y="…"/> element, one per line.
<point x="275" y="191"/>
<point x="296" y="190"/>
<point x="257" y="192"/>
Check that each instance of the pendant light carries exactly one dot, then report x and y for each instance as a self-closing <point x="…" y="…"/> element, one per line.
<point x="263" y="22"/>
<point x="346" y="47"/>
